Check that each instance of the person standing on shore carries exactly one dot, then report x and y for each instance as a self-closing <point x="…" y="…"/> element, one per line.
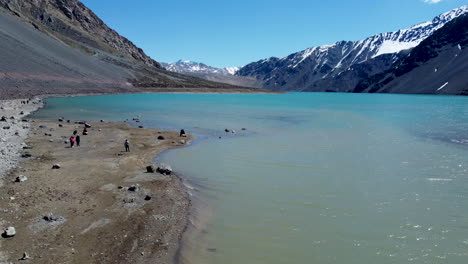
<point x="182" y="133"/>
<point x="78" y="139"/>
<point x="127" y="146"/>
<point x="72" y="141"/>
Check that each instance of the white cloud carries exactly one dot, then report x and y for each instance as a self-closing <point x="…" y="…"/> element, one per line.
<point x="432" y="1"/>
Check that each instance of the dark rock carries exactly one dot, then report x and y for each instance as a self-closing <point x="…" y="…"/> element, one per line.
<point x="3" y="119"/>
<point x="147" y="198"/>
<point x="51" y="217"/>
<point x="140" y="126"/>
<point x="60" y="120"/>
<point x="164" y="169"/>
<point x="27" y="147"/>
<point x="56" y="166"/>
<point x="161" y="138"/>
<point x="134" y="188"/>
<point x="6" y="127"/>
<point x="87" y="125"/>
<point x="227" y="130"/>
<point x="26" y="155"/>
<point x="60" y="125"/>
<point x="150" y="169"/>
<point x="25" y="256"/>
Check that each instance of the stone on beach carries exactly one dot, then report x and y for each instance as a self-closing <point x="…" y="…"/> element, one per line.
<point x="21" y="178"/>
<point x="150" y="169"/>
<point x="9" y="232"/>
<point x="56" y="166"/>
<point x="164" y="169"/>
<point x="134" y="188"/>
<point x="161" y="138"/>
<point x="25" y="256"/>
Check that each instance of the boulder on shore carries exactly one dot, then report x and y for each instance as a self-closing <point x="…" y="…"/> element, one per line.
<point x="9" y="232"/>
<point x="164" y="169"/>
<point x="150" y="169"/>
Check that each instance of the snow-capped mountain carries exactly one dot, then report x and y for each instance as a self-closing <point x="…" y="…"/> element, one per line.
<point x="186" y="67"/>
<point x="438" y="65"/>
<point x="341" y="65"/>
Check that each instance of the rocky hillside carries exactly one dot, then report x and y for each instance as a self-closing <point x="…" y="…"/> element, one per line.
<point x="340" y="66"/>
<point x="61" y="47"/>
<point x="439" y="65"/>
<point x="73" y="23"/>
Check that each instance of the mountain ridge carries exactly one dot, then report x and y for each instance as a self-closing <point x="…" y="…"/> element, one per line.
<point x="317" y="68"/>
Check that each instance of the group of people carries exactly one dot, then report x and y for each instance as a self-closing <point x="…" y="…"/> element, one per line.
<point x="75" y="139"/>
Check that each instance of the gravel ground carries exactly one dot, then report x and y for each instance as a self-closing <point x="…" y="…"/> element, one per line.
<point x="14" y="130"/>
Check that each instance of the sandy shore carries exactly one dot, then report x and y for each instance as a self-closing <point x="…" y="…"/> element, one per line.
<point x="100" y="206"/>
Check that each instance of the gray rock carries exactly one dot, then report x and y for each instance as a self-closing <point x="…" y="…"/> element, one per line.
<point x="21" y="178"/>
<point x="9" y="232"/>
<point x="25" y="256"/>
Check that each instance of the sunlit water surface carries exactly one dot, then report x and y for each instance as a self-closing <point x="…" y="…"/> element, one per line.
<point x="314" y="178"/>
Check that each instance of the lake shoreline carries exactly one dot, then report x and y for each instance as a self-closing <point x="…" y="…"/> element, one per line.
<point x="101" y="206"/>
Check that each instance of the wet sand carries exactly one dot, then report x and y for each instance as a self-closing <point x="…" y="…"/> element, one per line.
<point x="87" y="211"/>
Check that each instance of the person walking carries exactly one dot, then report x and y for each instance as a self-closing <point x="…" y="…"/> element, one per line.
<point x="77" y="139"/>
<point x="127" y="146"/>
<point x="72" y="141"/>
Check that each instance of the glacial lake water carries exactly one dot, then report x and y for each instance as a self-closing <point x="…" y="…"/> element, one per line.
<point x="315" y="177"/>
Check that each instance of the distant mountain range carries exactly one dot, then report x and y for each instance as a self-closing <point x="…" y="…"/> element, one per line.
<point x="339" y="67"/>
<point x="185" y="66"/>
<point x="225" y="75"/>
<point x="439" y="65"/>
<point x="62" y="47"/>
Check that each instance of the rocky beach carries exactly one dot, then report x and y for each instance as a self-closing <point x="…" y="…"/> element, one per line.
<point x="14" y="128"/>
<point x="93" y="203"/>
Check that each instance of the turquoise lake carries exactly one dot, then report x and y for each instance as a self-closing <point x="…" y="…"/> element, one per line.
<point x="315" y="177"/>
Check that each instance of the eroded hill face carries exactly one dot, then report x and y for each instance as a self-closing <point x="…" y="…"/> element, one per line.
<point x="58" y="47"/>
<point x="75" y="24"/>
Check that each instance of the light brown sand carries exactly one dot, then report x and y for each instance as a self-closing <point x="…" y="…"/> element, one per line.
<point x="98" y="223"/>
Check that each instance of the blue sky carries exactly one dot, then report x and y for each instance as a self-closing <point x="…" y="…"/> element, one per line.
<point x="236" y="32"/>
